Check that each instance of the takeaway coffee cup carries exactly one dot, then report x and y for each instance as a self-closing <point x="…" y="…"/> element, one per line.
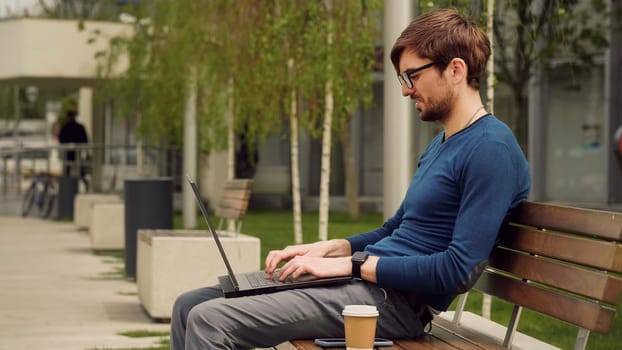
<point x="360" y="326"/>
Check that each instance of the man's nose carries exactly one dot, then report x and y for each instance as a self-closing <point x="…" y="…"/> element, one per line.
<point x="406" y="91"/>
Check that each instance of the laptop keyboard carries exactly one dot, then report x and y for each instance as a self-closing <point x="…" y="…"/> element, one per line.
<point x="258" y="279"/>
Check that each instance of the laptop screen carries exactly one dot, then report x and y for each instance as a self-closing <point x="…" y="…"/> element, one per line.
<point x="195" y="189"/>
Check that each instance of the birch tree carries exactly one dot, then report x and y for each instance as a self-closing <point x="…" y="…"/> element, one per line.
<point x="295" y="163"/>
<point x="327" y="130"/>
<point x="275" y="75"/>
<point x="351" y="37"/>
<point x="490" y="105"/>
<point x="168" y="46"/>
<point x="240" y="54"/>
<point x="298" y="38"/>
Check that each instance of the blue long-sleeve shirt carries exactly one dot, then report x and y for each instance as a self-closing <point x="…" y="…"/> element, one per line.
<point x="443" y="232"/>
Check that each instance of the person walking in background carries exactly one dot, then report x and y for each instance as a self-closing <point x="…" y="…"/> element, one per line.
<point x="73" y="133"/>
<point x="468" y="181"/>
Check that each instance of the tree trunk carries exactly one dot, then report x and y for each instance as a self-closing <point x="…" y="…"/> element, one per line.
<point x="230" y="136"/>
<point x="230" y="148"/>
<point x="293" y="125"/>
<point x="326" y="137"/>
<point x="325" y="173"/>
<point x="490" y="67"/>
<point x="352" y="182"/>
<point x="490" y="102"/>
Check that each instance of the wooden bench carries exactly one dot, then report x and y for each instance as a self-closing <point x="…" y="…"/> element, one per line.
<point x="559" y="261"/>
<point x="233" y="204"/>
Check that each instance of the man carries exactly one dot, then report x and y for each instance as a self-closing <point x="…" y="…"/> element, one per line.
<point x="469" y="179"/>
<point x="73" y="132"/>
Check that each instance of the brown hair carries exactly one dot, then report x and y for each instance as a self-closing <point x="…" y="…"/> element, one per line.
<point x="443" y="35"/>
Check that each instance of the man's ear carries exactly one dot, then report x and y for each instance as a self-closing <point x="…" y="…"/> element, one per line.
<point x="458" y="70"/>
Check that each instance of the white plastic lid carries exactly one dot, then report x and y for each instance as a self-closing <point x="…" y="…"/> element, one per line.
<point x="360" y="311"/>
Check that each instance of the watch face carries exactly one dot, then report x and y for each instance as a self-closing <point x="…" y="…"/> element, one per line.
<point x="360" y="256"/>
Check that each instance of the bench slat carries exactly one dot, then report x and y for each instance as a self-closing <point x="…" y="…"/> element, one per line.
<point x="428" y="342"/>
<point x="237" y="204"/>
<point x="431" y="342"/>
<point x="593" y="284"/>
<point x="236" y="194"/>
<point x="584" y="313"/>
<point x="229" y="213"/>
<point x="596" y="253"/>
<point x="234" y="199"/>
<point x="306" y="344"/>
<point x="445" y="336"/>
<point x="239" y="184"/>
<point x="568" y="219"/>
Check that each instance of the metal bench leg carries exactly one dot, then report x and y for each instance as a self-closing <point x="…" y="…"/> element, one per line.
<point x="582" y="337"/>
<point x="509" y="334"/>
<point x="460" y="307"/>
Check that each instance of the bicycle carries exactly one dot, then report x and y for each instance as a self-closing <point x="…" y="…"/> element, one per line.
<point x="41" y="193"/>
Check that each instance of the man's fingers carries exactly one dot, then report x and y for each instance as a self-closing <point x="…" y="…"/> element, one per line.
<point x="272" y="260"/>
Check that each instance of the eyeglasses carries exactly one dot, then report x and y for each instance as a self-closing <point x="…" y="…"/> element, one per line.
<point x="404" y="77"/>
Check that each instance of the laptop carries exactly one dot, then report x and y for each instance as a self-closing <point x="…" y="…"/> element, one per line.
<point x="253" y="283"/>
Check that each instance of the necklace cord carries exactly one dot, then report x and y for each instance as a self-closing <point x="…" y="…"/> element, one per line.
<point x="473" y="117"/>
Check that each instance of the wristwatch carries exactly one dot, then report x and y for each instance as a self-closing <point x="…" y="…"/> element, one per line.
<point x="358" y="258"/>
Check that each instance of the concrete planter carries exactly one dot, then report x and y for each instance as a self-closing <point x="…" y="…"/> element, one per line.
<point x="172" y="262"/>
<point x="83" y="206"/>
<point x="107" y="228"/>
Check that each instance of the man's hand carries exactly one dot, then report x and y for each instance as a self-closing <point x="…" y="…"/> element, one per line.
<point x="319" y="267"/>
<point x="332" y="248"/>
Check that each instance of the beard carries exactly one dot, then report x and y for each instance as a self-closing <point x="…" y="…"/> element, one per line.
<point x="437" y="109"/>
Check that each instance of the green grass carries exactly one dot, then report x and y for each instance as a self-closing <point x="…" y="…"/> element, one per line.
<point x="162" y="343"/>
<point x="275" y="229"/>
<point x="111" y="255"/>
<point x="116" y="260"/>
<point x="131" y="294"/>
<point x="143" y="333"/>
<point x="117" y="273"/>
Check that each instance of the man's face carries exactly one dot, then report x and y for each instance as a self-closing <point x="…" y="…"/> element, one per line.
<point x="430" y="91"/>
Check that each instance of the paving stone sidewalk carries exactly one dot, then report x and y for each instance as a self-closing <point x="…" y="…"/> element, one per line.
<point x="56" y="294"/>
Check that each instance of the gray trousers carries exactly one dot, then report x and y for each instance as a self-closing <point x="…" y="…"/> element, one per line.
<point x="203" y="319"/>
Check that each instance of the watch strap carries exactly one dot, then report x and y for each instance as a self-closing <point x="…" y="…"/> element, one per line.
<point x="358" y="258"/>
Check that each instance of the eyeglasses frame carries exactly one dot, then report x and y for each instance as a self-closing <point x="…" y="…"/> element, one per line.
<point x="404" y="77"/>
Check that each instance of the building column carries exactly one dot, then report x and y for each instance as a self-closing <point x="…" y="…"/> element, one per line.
<point x="189" y="205"/>
<point x="85" y="109"/>
<point x="398" y="113"/>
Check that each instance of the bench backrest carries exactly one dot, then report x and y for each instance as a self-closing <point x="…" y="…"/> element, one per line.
<point x="234" y="200"/>
<point x="560" y="261"/>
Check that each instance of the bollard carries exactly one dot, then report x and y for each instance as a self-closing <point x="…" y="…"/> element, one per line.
<point x="148" y="205"/>
<point x="67" y="189"/>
